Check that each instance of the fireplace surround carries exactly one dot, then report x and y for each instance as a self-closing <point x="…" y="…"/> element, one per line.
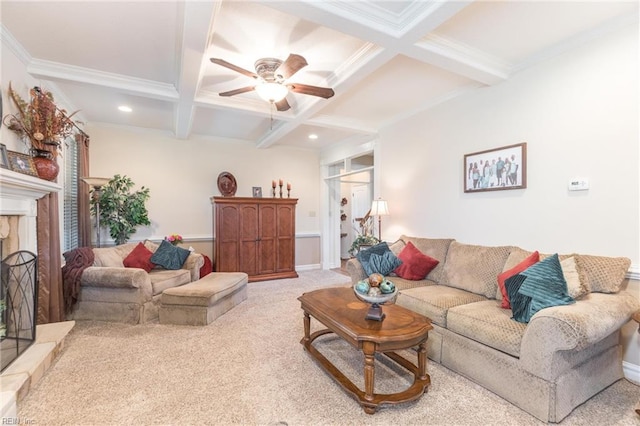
<point x="18" y="210"/>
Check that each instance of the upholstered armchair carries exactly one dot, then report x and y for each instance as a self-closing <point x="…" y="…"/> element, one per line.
<point x="124" y="283"/>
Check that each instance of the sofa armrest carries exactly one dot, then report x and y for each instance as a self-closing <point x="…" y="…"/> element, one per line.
<point x="114" y="277"/>
<point x="194" y="262"/>
<point x="554" y="331"/>
<point x="355" y="270"/>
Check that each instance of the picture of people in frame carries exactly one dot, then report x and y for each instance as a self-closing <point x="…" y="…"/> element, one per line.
<point x="257" y="192"/>
<point x="502" y="168"/>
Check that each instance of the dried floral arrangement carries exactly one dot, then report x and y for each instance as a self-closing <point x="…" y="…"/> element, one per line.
<point x="40" y="122"/>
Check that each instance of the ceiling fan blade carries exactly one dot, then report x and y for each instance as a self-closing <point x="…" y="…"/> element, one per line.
<point x="234" y="67"/>
<point x="322" y="92"/>
<point x="283" y="105"/>
<point x="292" y="65"/>
<point x="238" y="91"/>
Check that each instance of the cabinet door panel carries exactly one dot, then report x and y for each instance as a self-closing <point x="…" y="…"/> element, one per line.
<point x="267" y="232"/>
<point x="227" y="239"/>
<point x="249" y="236"/>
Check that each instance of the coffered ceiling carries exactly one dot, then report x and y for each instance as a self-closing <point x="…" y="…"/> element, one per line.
<point x="385" y="60"/>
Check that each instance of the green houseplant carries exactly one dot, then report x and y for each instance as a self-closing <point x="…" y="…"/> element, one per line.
<point x="121" y="209"/>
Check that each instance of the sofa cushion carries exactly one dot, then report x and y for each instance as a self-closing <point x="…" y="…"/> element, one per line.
<point x="169" y="256"/>
<point x="162" y="279"/>
<point x="435" y="301"/>
<point x="532" y="259"/>
<point x="573" y="277"/>
<point x="140" y="257"/>
<point x="402" y="284"/>
<point x="415" y="264"/>
<point x="112" y="256"/>
<point x="487" y="323"/>
<point x="436" y="248"/>
<point x="475" y="268"/>
<point x="603" y="274"/>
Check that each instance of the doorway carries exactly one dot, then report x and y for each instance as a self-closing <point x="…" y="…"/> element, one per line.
<point x="350" y="193"/>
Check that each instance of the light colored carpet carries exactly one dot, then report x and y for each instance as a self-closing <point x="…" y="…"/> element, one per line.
<point x="248" y="368"/>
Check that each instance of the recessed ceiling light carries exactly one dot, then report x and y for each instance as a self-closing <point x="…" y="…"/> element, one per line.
<point x="125" y="108"/>
<point x="313" y="136"/>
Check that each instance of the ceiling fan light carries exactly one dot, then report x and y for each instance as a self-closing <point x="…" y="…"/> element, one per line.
<point x="272" y="92"/>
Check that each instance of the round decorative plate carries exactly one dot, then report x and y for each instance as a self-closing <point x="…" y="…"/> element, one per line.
<point x="227" y="184"/>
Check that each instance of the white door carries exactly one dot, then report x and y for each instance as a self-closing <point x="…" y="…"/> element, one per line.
<point x="361" y="197"/>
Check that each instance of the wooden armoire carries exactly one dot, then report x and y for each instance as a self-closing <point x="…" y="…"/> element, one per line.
<point x="256" y="236"/>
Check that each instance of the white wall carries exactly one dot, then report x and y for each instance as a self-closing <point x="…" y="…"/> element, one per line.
<point x="577" y="112"/>
<point x="182" y="176"/>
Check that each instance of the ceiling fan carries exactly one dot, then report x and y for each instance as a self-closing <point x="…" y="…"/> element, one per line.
<point x="272" y="74"/>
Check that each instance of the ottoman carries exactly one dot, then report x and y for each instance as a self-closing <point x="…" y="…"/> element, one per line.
<point x="202" y="301"/>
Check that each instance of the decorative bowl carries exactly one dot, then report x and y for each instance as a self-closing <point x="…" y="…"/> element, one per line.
<point x="377" y="300"/>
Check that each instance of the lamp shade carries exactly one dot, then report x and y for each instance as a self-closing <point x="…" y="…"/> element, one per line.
<point x="271" y="92"/>
<point x="379" y="208"/>
<point x="96" y="182"/>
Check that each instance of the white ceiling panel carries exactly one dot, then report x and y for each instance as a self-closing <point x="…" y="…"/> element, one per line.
<point x="386" y="60"/>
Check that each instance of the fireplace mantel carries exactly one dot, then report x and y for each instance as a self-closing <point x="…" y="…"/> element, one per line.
<point x="18" y="196"/>
<point x="20" y="186"/>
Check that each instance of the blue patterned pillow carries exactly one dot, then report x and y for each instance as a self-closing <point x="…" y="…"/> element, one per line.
<point x="364" y="256"/>
<point x="545" y="285"/>
<point x="520" y="304"/>
<point x="169" y="256"/>
<point x="384" y="264"/>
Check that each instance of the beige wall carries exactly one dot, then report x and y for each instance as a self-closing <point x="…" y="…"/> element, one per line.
<point x="578" y="112"/>
<point x="182" y="175"/>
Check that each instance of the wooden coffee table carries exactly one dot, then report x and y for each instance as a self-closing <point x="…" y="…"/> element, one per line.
<point x="342" y="313"/>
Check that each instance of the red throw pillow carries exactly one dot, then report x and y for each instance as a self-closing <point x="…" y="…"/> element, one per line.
<point x="140" y="257"/>
<point x="531" y="260"/>
<point x="415" y="264"/>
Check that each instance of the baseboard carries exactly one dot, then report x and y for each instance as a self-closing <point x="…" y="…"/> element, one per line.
<point x="308" y="267"/>
<point x="631" y="372"/>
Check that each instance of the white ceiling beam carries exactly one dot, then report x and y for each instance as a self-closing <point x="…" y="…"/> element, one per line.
<point x="198" y="18"/>
<point x="49" y="70"/>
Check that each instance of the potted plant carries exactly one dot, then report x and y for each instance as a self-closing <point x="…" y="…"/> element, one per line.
<point x="43" y="126"/>
<point x="120" y="209"/>
<point x="365" y="236"/>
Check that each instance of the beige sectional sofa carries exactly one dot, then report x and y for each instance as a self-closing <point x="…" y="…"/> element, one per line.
<point x="560" y="359"/>
<point x="111" y="292"/>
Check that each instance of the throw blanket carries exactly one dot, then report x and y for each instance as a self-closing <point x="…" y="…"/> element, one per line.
<point x="77" y="260"/>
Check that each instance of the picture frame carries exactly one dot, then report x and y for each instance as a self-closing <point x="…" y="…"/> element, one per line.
<point x="482" y="170"/>
<point x="257" y="191"/>
<point x="4" y="160"/>
<point x="21" y="163"/>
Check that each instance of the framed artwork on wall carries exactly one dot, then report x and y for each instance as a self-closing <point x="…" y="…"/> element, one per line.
<point x="4" y="161"/>
<point x="496" y="169"/>
<point x="21" y="163"/>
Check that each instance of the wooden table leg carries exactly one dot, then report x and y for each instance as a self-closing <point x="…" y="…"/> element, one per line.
<point x="422" y="360"/>
<point x="307" y="329"/>
<point x="369" y="350"/>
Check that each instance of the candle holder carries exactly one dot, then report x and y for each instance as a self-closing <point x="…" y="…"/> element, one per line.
<point x="273" y="189"/>
<point x="280" y="189"/>
<point x="288" y="193"/>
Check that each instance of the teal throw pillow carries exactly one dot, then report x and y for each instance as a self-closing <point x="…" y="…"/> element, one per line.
<point x="384" y="264"/>
<point x="520" y="304"/>
<point x="545" y="285"/>
<point x="169" y="256"/>
<point x="364" y="256"/>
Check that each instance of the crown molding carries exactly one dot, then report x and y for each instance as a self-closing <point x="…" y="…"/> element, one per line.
<point x="14" y="46"/>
